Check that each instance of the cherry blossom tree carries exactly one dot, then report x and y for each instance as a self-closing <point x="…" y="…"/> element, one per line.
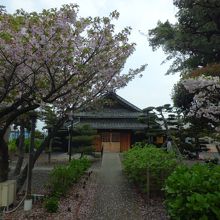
<point x="57" y="58"/>
<point x="206" y="97"/>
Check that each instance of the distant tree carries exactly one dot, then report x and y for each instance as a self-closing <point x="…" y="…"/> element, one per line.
<point x="194" y="40"/>
<point x="23" y="122"/>
<point x="181" y="98"/>
<point x="193" y="43"/>
<point x="48" y="116"/>
<point x="172" y="121"/>
<point x="83" y="139"/>
<point x="165" y="120"/>
<point x="151" y="119"/>
<point x="196" y="127"/>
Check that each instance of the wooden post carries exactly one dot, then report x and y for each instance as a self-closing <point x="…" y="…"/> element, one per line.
<point x="102" y="151"/>
<point x="31" y="154"/>
<point x="70" y="141"/>
<point x="50" y="150"/>
<point x="148" y="184"/>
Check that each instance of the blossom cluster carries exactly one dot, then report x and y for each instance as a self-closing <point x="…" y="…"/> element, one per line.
<point x="56" y="57"/>
<point x="206" y="100"/>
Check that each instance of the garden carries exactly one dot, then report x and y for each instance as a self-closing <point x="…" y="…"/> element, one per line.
<point x="189" y="192"/>
<point x="55" y="64"/>
<point x="67" y="186"/>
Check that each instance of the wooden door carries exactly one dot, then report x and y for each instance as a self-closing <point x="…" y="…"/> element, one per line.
<point x="97" y="142"/>
<point x="111" y="141"/>
<point x="125" y="141"/>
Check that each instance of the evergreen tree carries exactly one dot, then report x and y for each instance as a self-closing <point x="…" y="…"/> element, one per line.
<point x="194" y="40"/>
<point x="154" y="128"/>
<point x="83" y="139"/>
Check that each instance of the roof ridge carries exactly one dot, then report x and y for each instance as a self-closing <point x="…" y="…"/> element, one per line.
<point x="123" y="101"/>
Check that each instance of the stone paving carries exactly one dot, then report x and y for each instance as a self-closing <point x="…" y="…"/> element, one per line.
<point x="114" y="199"/>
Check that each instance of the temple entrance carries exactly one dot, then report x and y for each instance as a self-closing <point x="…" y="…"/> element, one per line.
<point x="111" y="141"/>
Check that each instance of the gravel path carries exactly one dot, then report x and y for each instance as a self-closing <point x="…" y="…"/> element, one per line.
<point x="105" y="194"/>
<point x="114" y="199"/>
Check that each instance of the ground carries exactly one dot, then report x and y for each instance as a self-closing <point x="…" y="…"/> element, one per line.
<point x="102" y="193"/>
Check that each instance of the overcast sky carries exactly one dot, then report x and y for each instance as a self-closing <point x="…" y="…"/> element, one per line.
<point x="154" y="88"/>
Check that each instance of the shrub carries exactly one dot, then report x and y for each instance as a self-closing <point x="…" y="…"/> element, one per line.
<point x="89" y="150"/>
<point x="12" y="145"/>
<point x="160" y="163"/>
<point x="194" y="193"/>
<point x="63" y="176"/>
<point x="51" y="204"/>
<point x="37" y="143"/>
<point x="39" y="134"/>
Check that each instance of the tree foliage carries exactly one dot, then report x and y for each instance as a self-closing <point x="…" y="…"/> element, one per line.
<point x="154" y="128"/>
<point x="57" y="57"/>
<point x="194" y="40"/>
<point x="181" y="97"/>
<point x="196" y="127"/>
<point x="193" y="44"/>
<point x="83" y="139"/>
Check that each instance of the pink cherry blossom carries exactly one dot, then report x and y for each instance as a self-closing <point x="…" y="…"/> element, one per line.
<point x="206" y="101"/>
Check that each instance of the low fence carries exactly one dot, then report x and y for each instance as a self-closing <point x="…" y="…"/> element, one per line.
<point x="155" y="184"/>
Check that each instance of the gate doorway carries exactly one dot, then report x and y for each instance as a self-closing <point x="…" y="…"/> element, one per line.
<point x="111" y="142"/>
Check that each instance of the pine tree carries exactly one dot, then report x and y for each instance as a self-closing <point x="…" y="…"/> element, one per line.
<point x="83" y="138"/>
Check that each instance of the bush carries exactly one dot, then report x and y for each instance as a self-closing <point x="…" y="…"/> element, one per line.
<point x="37" y="143"/>
<point x="88" y="150"/>
<point x="62" y="177"/>
<point x="160" y="164"/>
<point x="51" y="204"/>
<point x="39" y="134"/>
<point x="12" y="146"/>
<point x="194" y="193"/>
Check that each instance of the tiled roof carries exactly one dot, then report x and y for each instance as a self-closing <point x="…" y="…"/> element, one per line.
<point x="112" y="114"/>
<point x="125" y="124"/>
<point x="118" y="114"/>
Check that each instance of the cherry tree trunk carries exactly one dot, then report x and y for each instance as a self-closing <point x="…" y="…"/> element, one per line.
<point x="23" y="175"/>
<point x="4" y="165"/>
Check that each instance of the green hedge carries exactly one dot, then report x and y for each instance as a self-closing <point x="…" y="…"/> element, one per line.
<point x="12" y="144"/>
<point x="160" y="164"/>
<point x="37" y="143"/>
<point x="84" y="150"/>
<point x="63" y="176"/>
<point x="194" y="193"/>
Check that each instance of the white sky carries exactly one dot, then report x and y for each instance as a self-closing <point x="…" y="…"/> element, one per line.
<point x="154" y="88"/>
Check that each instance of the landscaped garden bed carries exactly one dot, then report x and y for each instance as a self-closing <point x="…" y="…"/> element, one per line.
<point x="189" y="192"/>
<point x="75" y="188"/>
<point x="148" y="167"/>
<point x="194" y="192"/>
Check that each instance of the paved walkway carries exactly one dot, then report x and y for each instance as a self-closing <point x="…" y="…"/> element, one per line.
<point x="115" y="199"/>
